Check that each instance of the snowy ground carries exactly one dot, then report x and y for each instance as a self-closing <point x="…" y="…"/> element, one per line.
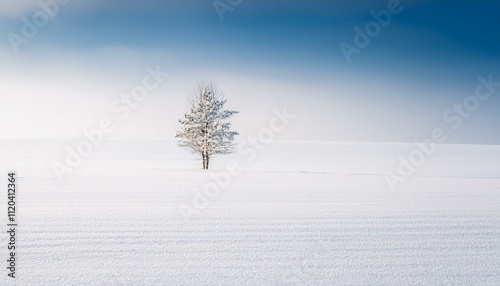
<point x="299" y="214"/>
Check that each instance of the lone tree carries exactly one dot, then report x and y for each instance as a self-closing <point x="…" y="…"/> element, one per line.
<point x="206" y="129"/>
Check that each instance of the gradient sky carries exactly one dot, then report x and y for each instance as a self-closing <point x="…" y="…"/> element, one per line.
<point x="263" y="55"/>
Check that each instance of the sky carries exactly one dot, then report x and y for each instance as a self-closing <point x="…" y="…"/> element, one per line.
<point x="396" y="84"/>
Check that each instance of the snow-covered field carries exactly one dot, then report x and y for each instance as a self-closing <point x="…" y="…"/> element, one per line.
<point x="301" y="213"/>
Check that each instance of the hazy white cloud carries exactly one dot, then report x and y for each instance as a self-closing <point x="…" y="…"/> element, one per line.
<point x="59" y="93"/>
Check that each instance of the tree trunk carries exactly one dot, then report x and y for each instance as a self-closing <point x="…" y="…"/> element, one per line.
<point x="206" y="160"/>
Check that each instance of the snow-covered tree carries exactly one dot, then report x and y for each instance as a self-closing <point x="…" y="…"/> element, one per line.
<point x="206" y="129"/>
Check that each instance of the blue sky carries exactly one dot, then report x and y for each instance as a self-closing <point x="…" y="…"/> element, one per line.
<point x="264" y="55"/>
